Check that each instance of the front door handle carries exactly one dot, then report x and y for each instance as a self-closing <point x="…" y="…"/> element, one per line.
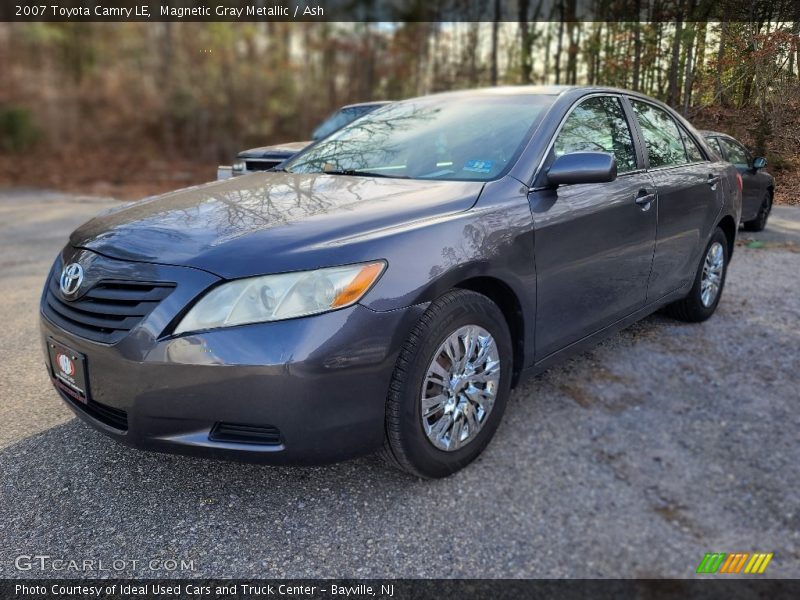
<point x="644" y="199"/>
<point x="713" y="180"/>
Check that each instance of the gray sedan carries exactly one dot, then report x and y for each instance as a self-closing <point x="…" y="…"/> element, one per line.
<point x="393" y="282"/>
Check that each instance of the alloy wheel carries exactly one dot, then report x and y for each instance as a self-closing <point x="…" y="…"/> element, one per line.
<point x="711" y="279"/>
<point x="460" y="387"/>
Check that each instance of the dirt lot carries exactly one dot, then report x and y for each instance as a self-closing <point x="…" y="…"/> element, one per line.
<point x="632" y="460"/>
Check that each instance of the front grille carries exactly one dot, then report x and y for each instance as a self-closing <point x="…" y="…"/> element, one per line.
<point x="262" y="165"/>
<point x="246" y="434"/>
<point x="107" y="311"/>
<point x="108" y="415"/>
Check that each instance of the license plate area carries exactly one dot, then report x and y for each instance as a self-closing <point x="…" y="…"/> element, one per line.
<point x="68" y="370"/>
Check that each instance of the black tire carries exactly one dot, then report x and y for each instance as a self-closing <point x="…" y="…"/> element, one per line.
<point x="760" y="222"/>
<point x="691" y="308"/>
<point x="406" y="443"/>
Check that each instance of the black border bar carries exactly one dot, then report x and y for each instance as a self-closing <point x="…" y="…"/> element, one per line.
<point x="400" y="589"/>
<point x="395" y="10"/>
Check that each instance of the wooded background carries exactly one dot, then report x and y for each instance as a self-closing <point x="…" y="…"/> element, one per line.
<point x="102" y="106"/>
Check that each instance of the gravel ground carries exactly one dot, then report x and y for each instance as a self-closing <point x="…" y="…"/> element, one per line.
<point x="632" y="460"/>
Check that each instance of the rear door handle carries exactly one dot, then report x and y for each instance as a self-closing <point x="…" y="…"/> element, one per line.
<point x="644" y="199"/>
<point x="713" y="180"/>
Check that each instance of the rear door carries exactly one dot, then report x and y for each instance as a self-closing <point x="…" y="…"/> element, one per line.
<point x="752" y="192"/>
<point x="689" y="196"/>
<point x="593" y="242"/>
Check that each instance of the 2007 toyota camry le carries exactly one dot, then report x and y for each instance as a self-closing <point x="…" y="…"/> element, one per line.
<point x="387" y="287"/>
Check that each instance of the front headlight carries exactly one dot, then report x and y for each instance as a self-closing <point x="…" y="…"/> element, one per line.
<point x="278" y="297"/>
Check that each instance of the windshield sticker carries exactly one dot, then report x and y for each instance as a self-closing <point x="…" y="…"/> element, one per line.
<point x="478" y="166"/>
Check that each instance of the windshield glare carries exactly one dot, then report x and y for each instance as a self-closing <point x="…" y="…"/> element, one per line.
<point x="472" y="138"/>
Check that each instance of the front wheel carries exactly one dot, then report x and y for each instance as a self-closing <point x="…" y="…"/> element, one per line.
<point x="450" y="386"/>
<point x="703" y="298"/>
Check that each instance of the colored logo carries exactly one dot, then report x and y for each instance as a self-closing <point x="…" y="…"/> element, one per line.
<point x="65" y="364"/>
<point x="71" y="279"/>
<point x="738" y="562"/>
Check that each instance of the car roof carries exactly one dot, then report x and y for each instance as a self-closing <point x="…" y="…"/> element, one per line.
<point x="542" y="90"/>
<point x="709" y="133"/>
<point x="373" y="103"/>
<point x="511" y="90"/>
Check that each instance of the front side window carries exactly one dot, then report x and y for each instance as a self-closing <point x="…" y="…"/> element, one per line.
<point x="598" y="125"/>
<point x="661" y="135"/>
<point x="736" y="153"/>
<point x="692" y="149"/>
<point x="447" y="137"/>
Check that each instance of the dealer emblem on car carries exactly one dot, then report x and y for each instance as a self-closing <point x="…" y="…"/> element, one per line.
<point x="71" y="279"/>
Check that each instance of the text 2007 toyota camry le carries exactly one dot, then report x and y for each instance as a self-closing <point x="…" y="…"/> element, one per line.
<point x="390" y="286"/>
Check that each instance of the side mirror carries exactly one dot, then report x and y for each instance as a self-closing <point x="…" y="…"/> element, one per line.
<point x="759" y="162"/>
<point x="582" y="167"/>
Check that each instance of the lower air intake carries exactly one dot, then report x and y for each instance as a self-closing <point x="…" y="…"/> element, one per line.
<point x="246" y="434"/>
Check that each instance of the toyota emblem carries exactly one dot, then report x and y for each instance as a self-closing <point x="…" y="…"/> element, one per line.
<point x="65" y="364"/>
<point x="71" y="279"/>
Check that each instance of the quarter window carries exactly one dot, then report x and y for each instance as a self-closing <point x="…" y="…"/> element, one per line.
<point x="736" y="153"/>
<point x="598" y="125"/>
<point x="692" y="149"/>
<point x="661" y="135"/>
<point x="714" y="144"/>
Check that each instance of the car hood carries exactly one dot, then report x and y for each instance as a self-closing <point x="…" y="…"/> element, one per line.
<point x="278" y="150"/>
<point x="269" y="222"/>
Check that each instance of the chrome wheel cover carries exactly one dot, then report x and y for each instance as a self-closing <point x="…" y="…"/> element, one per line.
<point x="711" y="279"/>
<point x="460" y="388"/>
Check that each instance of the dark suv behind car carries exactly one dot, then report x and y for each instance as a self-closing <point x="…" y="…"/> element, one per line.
<point x="269" y="157"/>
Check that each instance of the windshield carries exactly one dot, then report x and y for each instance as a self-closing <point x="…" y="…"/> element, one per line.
<point x="471" y="138"/>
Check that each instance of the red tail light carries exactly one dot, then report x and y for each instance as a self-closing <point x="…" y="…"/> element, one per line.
<point x="739" y="181"/>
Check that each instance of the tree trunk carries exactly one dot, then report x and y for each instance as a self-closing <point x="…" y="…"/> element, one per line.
<point x="673" y="93"/>
<point x="719" y="92"/>
<point x="560" y="43"/>
<point x="794" y="54"/>
<point x="167" y="59"/>
<point x="495" y="31"/>
<point x="526" y="64"/>
<point x="637" y="47"/>
<point x="688" y="71"/>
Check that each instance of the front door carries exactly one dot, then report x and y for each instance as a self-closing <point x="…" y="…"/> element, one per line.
<point x="593" y="242"/>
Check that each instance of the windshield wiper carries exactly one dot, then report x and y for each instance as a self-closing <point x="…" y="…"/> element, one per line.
<point x="359" y="173"/>
<point x="280" y="170"/>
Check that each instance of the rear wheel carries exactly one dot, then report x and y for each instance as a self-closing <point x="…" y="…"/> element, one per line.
<point x="703" y="298"/>
<point x="450" y="386"/>
<point x="760" y="222"/>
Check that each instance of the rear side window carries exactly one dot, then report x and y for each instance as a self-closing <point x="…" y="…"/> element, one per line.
<point x="692" y="149"/>
<point x="598" y="125"/>
<point x="736" y="153"/>
<point x="661" y="135"/>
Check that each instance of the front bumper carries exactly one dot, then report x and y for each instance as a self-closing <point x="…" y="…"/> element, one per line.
<point x="321" y="380"/>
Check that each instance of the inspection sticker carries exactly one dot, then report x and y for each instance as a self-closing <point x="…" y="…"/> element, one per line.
<point x="478" y="166"/>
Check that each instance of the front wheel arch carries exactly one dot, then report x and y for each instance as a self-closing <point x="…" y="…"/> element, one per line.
<point x="509" y="304"/>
